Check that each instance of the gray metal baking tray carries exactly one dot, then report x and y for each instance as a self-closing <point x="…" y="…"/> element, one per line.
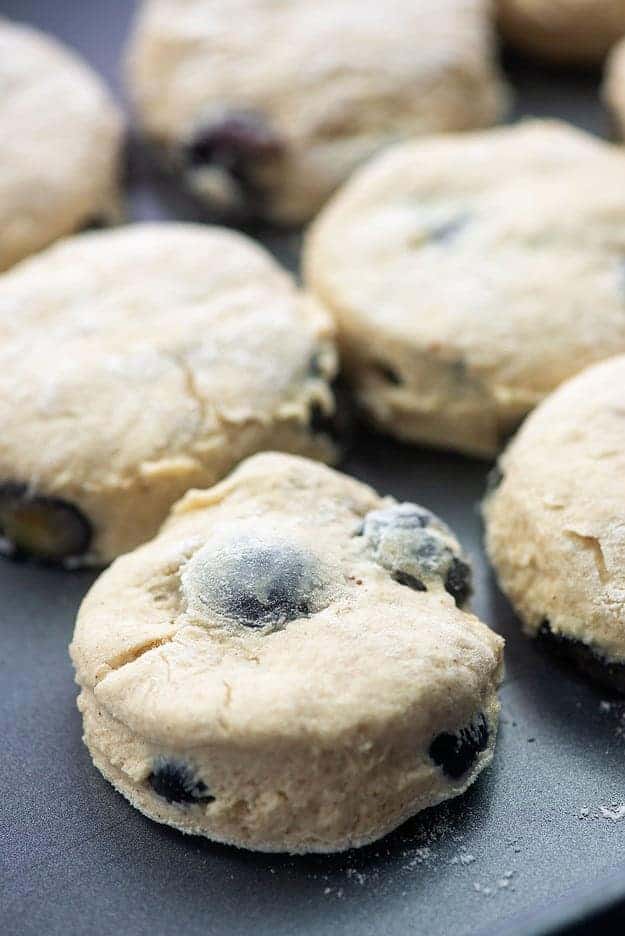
<point x="537" y="845"/>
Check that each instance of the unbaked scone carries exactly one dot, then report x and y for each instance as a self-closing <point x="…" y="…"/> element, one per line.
<point x="614" y="86"/>
<point x="61" y="141"/>
<point x="470" y="275"/>
<point x="266" y="107"/>
<point x="288" y="665"/>
<point x="567" y="32"/>
<point x="137" y="363"/>
<point x="555" y="521"/>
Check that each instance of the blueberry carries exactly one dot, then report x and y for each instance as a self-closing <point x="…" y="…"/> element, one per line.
<point x="45" y="528"/>
<point x="240" y="143"/>
<point x="418" y="549"/>
<point x="403" y="578"/>
<point x="336" y="425"/>
<point x="399" y="517"/>
<point x="255" y="584"/>
<point x="456" y="753"/>
<point x="458" y="581"/>
<point x="387" y="373"/>
<point x="175" y="781"/>
<point x="574" y="652"/>
<point x="445" y="232"/>
<point x="321" y="422"/>
<point x="96" y="223"/>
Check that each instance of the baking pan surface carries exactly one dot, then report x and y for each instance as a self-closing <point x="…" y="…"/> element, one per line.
<point x="534" y="846"/>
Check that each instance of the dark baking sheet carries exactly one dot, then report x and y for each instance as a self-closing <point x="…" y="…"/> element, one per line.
<point x="535" y="845"/>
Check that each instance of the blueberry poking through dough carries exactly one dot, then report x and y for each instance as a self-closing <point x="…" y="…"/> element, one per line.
<point x="458" y="581"/>
<point x="456" y="753"/>
<point x="175" y="781"/>
<point x="610" y="675"/>
<point x="387" y="373"/>
<point x="238" y="141"/>
<point x="45" y="528"/>
<point x="418" y="549"/>
<point x="257" y="585"/>
<point x="445" y="232"/>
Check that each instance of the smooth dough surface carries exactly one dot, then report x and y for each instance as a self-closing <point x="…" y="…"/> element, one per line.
<point x="284" y="667"/>
<point x="556" y="521"/>
<point x="470" y="275"/>
<point x="139" y="362"/>
<point x="576" y="32"/>
<point x="614" y="86"/>
<point x="270" y="114"/>
<point x="61" y="139"/>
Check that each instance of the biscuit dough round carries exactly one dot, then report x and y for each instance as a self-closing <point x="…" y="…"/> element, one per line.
<point x="470" y="275"/>
<point x="267" y="107"/>
<point x="566" y="32"/>
<point x="139" y="362"/>
<point x="284" y="667"/>
<point x="61" y="140"/>
<point x="556" y="521"/>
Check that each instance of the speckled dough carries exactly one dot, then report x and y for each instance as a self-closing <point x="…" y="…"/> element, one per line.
<point x="267" y="106"/>
<point x="284" y="667"/>
<point x="139" y="362"/>
<point x="576" y="32"/>
<point x="556" y="520"/>
<point x="614" y="86"/>
<point x="471" y="275"/>
<point x="61" y="136"/>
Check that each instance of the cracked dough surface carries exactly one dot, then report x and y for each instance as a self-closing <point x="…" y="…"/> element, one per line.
<point x="61" y="139"/>
<point x="310" y="733"/>
<point x="139" y="362"/>
<point x="577" y="32"/>
<point x="556" y="522"/>
<point x="462" y="291"/>
<point x="334" y="81"/>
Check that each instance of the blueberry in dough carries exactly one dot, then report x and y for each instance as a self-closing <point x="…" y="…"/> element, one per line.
<point x="175" y="782"/>
<point x="239" y="142"/>
<point x="387" y="373"/>
<point x="45" y="528"/>
<point x="256" y="584"/>
<point x="418" y="550"/>
<point x="610" y="675"/>
<point x="458" y="581"/>
<point x="321" y="422"/>
<point x="446" y="232"/>
<point x="456" y="753"/>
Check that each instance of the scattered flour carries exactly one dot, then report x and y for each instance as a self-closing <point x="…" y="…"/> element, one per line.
<point x="615" y="812"/>
<point x="488" y="890"/>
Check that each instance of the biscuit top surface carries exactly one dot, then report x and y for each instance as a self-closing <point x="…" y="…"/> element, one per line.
<point x="557" y="520"/>
<point x="267" y="605"/>
<point x="501" y="249"/>
<point x="184" y="57"/>
<point x="60" y="136"/>
<point x="126" y="346"/>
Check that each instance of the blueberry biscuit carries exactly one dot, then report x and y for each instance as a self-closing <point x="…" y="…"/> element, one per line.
<point x="137" y="363"/>
<point x="555" y="522"/>
<point x="470" y="275"/>
<point x="266" y="107"/>
<point x="568" y="32"/>
<point x="288" y="665"/>
<point x="61" y="136"/>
